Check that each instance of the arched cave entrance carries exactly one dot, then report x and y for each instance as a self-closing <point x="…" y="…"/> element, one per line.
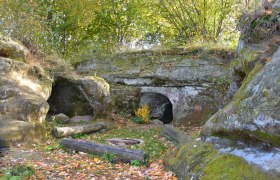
<point x="67" y="98"/>
<point x="159" y="105"/>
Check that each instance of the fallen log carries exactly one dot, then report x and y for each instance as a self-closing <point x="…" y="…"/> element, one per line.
<point x="120" y="154"/>
<point x="174" y="134"/>
<point x="68" y="131"/>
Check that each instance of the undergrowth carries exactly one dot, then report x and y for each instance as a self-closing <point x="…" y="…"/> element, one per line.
<point x="142" y="115"/>
<point x="18" y="172"/>
<point x="153" y="145"/>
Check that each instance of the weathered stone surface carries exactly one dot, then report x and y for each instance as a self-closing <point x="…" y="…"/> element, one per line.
<point x="157" y="122"/>
<point x="81" y="119"/>
<point x="254" y="111"/>
<point x="61" y="118"/>
<point x="23" y="94"/>
<point x="175" y="134"/>
<point x="78" y="96"/>
<point x="12" y="49"/>
<point x="190" y="105"/>
<point x="25" y="89"/>
<point x="150" y="70"/>
<point x="198" y="160"/>
<point x="185" y="82"/>
<point x="276" y="6"/>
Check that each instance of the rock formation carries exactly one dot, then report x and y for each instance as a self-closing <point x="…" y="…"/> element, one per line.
<point x="253" y="114"/>
<point x="180" y="76"/>
<point x="26" y="88"/>
<point x="23" y="94"/>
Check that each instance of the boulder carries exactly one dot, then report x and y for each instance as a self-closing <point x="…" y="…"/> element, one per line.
<point x="81" y="119"/>
<point x="61" y="118"/>
<point x="254" y="113"/>
<point x="23" y="100"/>
<point x="175" y="134"/>
<point x="12" y="49"/>
<point x="78" y="96"/>
<point x="157" y="122"/>
<point x="199" y="160"/>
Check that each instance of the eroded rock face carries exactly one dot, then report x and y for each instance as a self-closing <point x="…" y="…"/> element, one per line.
<point x="189" y="84"/>
<point x="23" y="94"/>
<point x="198" y="160"/>
<point x="12" y="49"/>
<point x="77" y="96"/>
<point x="25" y="89"/>
<point x="254" y="112"/>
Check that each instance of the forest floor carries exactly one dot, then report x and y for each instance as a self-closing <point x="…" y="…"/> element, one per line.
<point x="51" y="161"/>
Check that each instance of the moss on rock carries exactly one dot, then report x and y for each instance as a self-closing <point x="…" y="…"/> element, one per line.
<point x="232" y="168"/>
<point x="198" y="160"/>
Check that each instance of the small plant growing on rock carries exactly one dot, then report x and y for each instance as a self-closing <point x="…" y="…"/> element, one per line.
<point x="142" y="115"/>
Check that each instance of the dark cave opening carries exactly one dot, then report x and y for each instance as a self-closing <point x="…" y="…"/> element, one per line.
<point x="66" y="98"/>
<point x="160" y="106"/>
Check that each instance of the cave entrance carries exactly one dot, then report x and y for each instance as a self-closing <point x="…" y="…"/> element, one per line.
<point x="159" y="105"/>
<point x="67" y="98"/>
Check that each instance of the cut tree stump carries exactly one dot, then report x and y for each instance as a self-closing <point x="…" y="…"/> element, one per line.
<point x="175" y="134"/>
<point x="68" y="131"/>
<point x="120" y="154"/>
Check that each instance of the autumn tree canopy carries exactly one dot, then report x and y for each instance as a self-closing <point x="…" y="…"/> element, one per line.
<point x="71" y="27"/>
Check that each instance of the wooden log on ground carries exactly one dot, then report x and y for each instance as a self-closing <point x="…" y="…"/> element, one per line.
<point x="68" y="131"/>
<point x="120" y="154"/>
<point x="175" y="134"/>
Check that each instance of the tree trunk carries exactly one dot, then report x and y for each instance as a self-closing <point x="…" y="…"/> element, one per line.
<point x="120" y="154"/>
<point x="174" y="134"/>
<point x="67" y="131"/>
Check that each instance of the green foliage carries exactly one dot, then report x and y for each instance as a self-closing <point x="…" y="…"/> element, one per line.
<point x="135" y="163"/>
<point x="143" y="113"/>
<point x="25" y="21"/>
<point x="80" y="136"/>
<point x="86" y="29"/>
<point x="153" y="145"/>
<point x="57" y="123"/>
<point x="52" y="147"/>
<point x="108" y="157"/>
<point x="202" y="19"/>
<point x="19" y="172"/>
<point x="138" y="120"/>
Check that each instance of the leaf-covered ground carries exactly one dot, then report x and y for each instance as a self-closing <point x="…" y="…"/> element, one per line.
<point x="50" y="161"/>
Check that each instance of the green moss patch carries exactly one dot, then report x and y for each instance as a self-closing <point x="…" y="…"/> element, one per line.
<point x="254" y="137"/>
<point x="231" y="168"/>
<point x="198" y="160"/>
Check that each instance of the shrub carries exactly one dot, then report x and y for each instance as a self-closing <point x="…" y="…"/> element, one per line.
<point x="138" y="120"/>
<point x="143" y="113"/>
<point x="19" y="172"/>
<point x="135" y="163"/>
<point x="108" y="157"/>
